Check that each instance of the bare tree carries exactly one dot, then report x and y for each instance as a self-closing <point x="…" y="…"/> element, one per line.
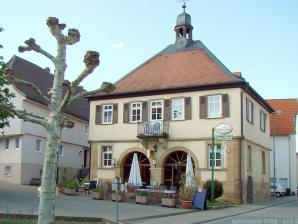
<point x="56" y="121"/>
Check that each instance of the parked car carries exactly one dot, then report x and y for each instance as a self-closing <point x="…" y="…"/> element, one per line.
<point x="279" y="190"/>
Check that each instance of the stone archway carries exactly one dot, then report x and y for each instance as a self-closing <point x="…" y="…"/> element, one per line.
<point x="144" y="164"/>
<point x="174" y="166"/>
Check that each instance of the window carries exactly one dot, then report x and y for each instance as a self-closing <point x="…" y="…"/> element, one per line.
<point x="217" y="153"/>
<point x="263" y="163"/>
<point x="107" y="156"/>
<point x="263" y="118"/>
<point x="156" y="110"/>
<point x="249" y="157"/>
<point x="249" y="110"/>
<point x="7" y="171"/>
<point x="214" y="106"/>
<point x="6" y="144"/>
<point x="38" y="145"/>
<point x="17" y="143"/>
<point x="61" y="151"/>
<point x="135" y="112"/>
<point x="107" y="114"/>
<point x="178" y="109"/>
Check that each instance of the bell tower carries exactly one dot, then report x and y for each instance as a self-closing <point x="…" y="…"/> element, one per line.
<point x="183" y="29"/>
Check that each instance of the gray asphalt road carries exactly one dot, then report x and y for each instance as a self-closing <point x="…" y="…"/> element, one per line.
<point x="281" y="214"/>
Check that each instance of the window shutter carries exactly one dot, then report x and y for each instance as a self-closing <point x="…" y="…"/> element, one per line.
<point x="225" y="105"/>
<point x="126" y="113"/>
<point x="115" y="113"/>
<point x="203" y="107"/>
<point x="247" y="109"/>
<point x="252" y="113"/>
<point x="98" y="114"/>
<point x="145" y="111"/>
<point x="167" y="110"/>
<point x="187" y="108"/>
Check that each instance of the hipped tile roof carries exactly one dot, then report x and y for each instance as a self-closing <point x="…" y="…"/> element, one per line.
<point x="174" y="68"/>
<point x="44" y="80"/>
<point x="283" y="123"/>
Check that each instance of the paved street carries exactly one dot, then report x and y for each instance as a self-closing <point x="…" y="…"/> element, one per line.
<point x="23" y="199"/>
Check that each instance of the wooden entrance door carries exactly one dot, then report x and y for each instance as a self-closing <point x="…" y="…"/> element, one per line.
<point x="144" y="167"/>
<point x="250" y="191"/>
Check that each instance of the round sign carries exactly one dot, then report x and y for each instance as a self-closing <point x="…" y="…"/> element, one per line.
<point x="223" y="128"/>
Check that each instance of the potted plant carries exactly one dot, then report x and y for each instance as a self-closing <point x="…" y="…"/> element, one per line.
<point x="120" y="196"/>
<point x="168" y="199"/>
<point x="97" y="193"/>
<point x="70" y="187"/>
<point x="142" y="197"/>
<point x="186" y="195"/>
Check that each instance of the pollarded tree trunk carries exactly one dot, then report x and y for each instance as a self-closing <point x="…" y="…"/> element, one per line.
<point x="56" y="104"/>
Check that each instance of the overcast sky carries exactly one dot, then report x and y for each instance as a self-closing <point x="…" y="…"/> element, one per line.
<point x="258" y="38"/>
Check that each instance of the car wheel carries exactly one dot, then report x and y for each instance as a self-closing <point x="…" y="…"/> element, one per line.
<point x="277" y="194"/>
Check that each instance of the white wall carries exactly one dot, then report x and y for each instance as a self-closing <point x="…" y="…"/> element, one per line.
<point x="285" y="159"/>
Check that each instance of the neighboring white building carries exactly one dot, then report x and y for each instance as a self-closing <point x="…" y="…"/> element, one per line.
<point x="22" y="144"/>
<point x="283" y="142"/>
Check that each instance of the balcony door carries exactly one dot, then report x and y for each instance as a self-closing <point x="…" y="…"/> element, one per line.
<point x="156" y="110"/>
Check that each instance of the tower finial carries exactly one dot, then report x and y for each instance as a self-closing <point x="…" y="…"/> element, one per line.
<point x="184" y="6"/>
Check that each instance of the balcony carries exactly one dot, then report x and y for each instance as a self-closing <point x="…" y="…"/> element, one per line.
<point x="153" y="129"/>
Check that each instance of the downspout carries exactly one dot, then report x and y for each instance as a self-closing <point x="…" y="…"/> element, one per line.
<point x="289" y="145"/>
<point x="89" y="160"/>
<point x="240" y="152"/>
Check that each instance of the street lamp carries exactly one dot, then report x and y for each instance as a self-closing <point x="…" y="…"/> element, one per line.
<point x="275" y="113"/>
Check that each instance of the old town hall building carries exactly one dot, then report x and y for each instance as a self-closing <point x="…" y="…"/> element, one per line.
<point x="166" y="108"/>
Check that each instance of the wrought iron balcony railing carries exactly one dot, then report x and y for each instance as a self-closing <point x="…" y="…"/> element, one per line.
<point x="153" y="129"/>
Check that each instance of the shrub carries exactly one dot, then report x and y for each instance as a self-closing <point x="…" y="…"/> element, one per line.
<point x="71" y="184"/>
<point x="186" y="193"/>
<point x="218" y="189"/>
<point x="98" y="189"/>
<point x="142" y="193"/>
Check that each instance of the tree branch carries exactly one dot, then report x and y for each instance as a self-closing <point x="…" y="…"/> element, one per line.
<point x="24" y="115"/>
<point x="31" y="45"/>
<point x="8" y="74"/>
<point x="106" y="87"/>
<point x="91" y="60"/>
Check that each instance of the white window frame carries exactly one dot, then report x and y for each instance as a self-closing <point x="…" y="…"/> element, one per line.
<point x="212" y="104"/>
<point x="106" y="150"/>
<point x="61" y="151"/>
<point x="7" y="172"/>
<point x="40" y="145"/>
<point x="263" y="122"/>
<point x="179" y="105"/>
<point x="17" y="140"/>
<point x="215" y="159"/>
<point x="249" y="110"/>
<point x="156" y="107"/>
<point x="136" y="106"/>
<point x="106" y="109"/>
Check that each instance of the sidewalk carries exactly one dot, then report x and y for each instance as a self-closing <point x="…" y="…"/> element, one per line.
<point x="212" y="215"/>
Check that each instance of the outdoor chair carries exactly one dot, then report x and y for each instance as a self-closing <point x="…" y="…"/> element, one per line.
<point x="82" y="187"/>
<point x="173" y="188"/>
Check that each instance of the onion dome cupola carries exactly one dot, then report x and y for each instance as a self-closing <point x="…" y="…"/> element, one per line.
<point x="183" y="29"/>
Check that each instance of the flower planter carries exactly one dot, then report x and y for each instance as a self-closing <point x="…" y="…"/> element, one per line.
<point x="120" y="197"/>
<point x="186" y="204"/>
<point x="69" y="191"/>
<point x="168" y="202"/>
<point x="141" y="199"/>
<point x="130" y="195"/>
<point x="97" y="195"/>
